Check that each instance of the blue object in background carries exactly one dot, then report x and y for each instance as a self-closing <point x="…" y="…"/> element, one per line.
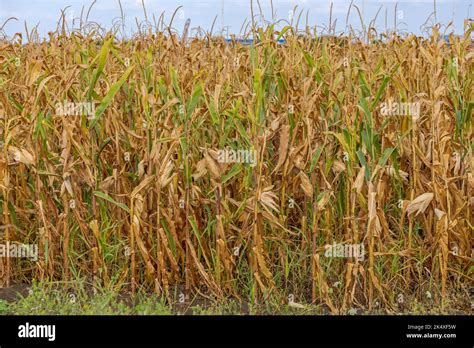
<point x="250" y="41"/>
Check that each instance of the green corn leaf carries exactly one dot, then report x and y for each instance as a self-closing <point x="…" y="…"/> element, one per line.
<point x="193" y="102"/>
<point x="236" y="169"/>
<point x="386" y="154"/>
<point x="109" y="97"/>
<point x="380" y="91"/>
<point x="315" y="158"/>
<point x="283" y="31"/>
<point x="102" y="58"/>
<point x="363" y="162"/>
<point x="111" y="200"/>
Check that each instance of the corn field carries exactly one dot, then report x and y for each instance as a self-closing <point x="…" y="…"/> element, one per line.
<point x="129" y="188"/>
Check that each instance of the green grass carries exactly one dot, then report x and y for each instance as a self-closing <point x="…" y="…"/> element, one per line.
<point x="51" y="299"/>
<point x="80" y="299"/>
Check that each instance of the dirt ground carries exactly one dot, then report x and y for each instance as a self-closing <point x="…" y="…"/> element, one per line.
<point x="12" y="293"/>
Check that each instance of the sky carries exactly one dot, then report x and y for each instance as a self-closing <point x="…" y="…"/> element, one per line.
<point x="411" y="15"/>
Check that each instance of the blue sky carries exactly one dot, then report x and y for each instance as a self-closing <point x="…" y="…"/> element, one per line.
<point x="410" y="14"/>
